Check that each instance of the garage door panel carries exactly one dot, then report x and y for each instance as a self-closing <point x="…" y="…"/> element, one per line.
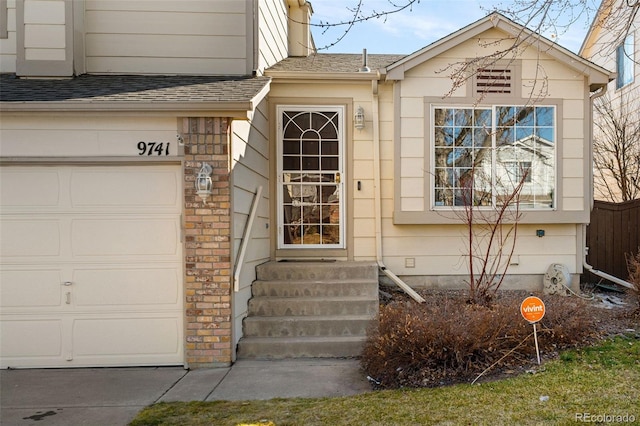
<point x="124" y="237"/>
<point x="105" y="337"/>
<point x="113" y="287"/>
<point x="29" y="188"/>
<point x="28" y="289"/>
<point x="112" y="232"/>
<point x="34" y="338"/>
<point x="106" y="187"/>
<point x="24" y="238"/>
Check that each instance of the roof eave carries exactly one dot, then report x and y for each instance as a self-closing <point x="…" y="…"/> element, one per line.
<point x="307" y="75"/>
<point x="595" y="73"/>
<point x="239" y="110"/>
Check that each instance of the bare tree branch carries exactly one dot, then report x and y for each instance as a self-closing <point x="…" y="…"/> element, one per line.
<point x="616" y="146"/>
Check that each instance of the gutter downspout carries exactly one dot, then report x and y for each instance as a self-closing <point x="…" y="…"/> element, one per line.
<point x="377" y="198"/>
<point x="586" y="266"/>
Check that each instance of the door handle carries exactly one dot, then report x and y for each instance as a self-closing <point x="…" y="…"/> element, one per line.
<point x="338" y="177"/>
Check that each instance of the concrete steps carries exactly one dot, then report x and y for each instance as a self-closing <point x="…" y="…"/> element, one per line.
<point x="310" y="310"/>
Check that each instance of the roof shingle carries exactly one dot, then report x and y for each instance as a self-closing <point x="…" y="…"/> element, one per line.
<point x="132" y="88"/>
<point x="333" y="63"/>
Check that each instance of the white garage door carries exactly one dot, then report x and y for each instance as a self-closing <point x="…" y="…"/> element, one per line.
<point x="91" y="270"/>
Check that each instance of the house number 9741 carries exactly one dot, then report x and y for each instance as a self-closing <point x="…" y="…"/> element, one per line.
<point x="153" y="148"/>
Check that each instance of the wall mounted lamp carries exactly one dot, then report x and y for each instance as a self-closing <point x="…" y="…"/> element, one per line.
<point x="358" y="118"/>
<point x="204" y="184"/>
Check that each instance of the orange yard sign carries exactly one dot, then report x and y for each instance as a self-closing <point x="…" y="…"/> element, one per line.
<point x="532" y="309"/>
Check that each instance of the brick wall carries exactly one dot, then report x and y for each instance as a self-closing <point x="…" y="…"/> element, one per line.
<point x="207" y="244"/>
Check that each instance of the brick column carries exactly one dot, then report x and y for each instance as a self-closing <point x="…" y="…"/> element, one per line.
<point x="207" y="244"/>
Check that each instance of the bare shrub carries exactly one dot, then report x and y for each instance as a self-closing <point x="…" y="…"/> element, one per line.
<point x="633" y="266"/>
<point x="448" y="340"/>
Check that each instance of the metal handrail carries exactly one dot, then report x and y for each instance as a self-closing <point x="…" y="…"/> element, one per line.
<point x="245" y="240"/>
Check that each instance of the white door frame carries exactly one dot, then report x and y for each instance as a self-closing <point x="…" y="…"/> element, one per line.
<point x="327" y="179"/>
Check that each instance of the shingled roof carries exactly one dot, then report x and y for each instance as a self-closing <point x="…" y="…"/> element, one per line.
<point x="131" y="89"/>
<point x="332" y="63"/>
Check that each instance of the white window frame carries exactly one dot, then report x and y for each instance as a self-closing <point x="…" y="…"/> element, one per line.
<point x="494" y="193"/>
<point x="625" y="62"/>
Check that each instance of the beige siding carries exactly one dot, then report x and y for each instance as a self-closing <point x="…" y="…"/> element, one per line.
<point x="250" y="169"/>
<point x="8" y="45"/>
<point x="601" y="49"/>
<point x="439" y="249"/>
<point x="52" y="136"/>
<point x="44" y="30"/>
<point x="272" y="32"/>
<point x="542" y="78"/>
<point x="166" y="37"/>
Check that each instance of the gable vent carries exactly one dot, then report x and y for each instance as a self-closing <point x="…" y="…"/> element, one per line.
<point x="494" y="80"/>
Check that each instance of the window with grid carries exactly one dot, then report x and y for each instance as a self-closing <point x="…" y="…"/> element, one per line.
<point x="481" y="154"/>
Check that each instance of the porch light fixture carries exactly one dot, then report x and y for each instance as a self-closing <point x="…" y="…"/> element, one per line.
<point x="204" y="184"/>
<point x="358" y="118"/>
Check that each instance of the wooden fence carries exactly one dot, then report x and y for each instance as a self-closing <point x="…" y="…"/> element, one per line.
<point x="614" y="232"/>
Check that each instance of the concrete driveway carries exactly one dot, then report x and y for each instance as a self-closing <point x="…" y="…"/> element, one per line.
<point x="113" y="396"/>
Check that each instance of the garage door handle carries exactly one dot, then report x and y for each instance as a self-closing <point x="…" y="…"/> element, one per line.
<point x="68" y="295"/>
<point x="67" y="283"/>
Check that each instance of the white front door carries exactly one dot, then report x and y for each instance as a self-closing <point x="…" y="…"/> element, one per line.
<point x="311" y="177"/>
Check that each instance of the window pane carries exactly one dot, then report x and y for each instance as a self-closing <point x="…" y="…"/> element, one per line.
<point x="463" y="136"/>
<point x="625" y="62"/>
<point x="478" y="163"/>
<point x="524" y="116"/>
<point x="310" y="163"/>
<point x="544" y="116"/>
<point x="482" y="118"/>
<point x="310" y="144"/>
<point x="443" y="177"/>
<point x="443" y="117"/>
<point x="291" y="147"/>
<point x="443" y="136"/>
<point x="444" y="197"/>
<point x="290" y="163"/>
<point x="524" y="134"/>
<point x="463" y="117"/>
<point x="546" y="133"/>
<point x="505" y="116"/>
<point x="329" y="163"/>
<point x="329" y="147"/>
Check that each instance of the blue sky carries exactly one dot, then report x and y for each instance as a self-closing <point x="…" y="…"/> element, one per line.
<point x="408" y="31"/>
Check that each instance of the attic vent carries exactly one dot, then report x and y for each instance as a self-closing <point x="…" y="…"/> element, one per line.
<point x="494" y="80"/>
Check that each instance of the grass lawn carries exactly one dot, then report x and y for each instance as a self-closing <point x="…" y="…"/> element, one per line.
<point x="582" y="385"/>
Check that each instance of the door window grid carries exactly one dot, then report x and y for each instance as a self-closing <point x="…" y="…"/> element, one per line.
<point x="310" y="153"/>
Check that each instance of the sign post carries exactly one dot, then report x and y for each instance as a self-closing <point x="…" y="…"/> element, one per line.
<point x="532" y="309"/>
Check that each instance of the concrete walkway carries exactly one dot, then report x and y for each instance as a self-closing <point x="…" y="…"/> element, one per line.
<point x="113" y="396"/>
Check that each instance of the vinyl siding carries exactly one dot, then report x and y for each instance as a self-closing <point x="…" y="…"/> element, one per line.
<point x="166" y="37"/>
<point x="272" y="32"/>
<point x="250" y="169"/>
<point x="8" y="45"/>
<point x="439" y="249"/>
<point x="602" y="51"/>
<point x="541" y="78"/>
<point x="54" y="136"/>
